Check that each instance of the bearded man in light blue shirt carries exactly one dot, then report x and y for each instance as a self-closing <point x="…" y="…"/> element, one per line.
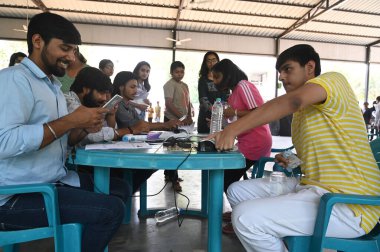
<point x="35" y="129"/>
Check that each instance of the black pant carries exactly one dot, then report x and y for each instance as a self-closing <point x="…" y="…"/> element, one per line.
<point x="234" y="175"/>
<point x="172" y="174"/>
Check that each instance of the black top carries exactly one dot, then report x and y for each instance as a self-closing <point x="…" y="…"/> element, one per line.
<point x="207" y="94"/>
<point x="367" y="115"/>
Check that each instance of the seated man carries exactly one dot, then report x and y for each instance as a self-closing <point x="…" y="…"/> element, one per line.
<point x="35" y="129"/>
<point x="125" y="84"/>
<point x="329" y="135"/>
<point x="90" y="89"/>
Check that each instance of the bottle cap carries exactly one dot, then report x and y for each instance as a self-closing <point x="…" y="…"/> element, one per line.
<point x="218" y="99"/>
<point x="126" y="138"/>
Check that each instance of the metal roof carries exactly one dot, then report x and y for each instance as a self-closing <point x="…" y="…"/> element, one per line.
<point x="355" y="22"/>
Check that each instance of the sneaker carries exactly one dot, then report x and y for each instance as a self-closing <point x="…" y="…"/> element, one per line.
<point x="226" y="216"/>
<point x="228" y="229"/>
<point x="177" y="187"/>
<point x="180" y="179"/>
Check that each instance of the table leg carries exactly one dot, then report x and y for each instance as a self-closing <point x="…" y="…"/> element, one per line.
<point x="216" y="180"/>
<point x="102" y="182"/>
<point x="102" y="179"/>
<point x="205" y="193"/>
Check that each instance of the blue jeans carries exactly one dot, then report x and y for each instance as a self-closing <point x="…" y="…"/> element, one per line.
<point x="101" y="215"/>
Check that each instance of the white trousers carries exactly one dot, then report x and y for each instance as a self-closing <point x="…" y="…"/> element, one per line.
<point x="261" y="220"/>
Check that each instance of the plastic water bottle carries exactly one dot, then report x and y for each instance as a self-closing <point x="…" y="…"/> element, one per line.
<point x="134" y="138"/>
<point x="165" y="215"/>
<point x="277" y="183"/>
<point x="216" y="116"/>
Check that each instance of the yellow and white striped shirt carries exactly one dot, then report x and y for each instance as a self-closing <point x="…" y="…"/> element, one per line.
<point x="331" y="140"/>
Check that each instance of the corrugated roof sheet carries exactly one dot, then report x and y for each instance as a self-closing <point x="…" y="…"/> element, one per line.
<point x="350" y="22"/>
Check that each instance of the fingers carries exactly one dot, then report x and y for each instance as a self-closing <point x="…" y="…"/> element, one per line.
<point x="223" y="142"/>
<point x="279" y="158"/>
<point x="89" y="117"/>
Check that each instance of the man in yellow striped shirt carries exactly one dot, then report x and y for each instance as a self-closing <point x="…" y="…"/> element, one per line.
<point x="330" y="138"/>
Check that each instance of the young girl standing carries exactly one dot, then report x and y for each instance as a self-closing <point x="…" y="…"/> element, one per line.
<point x="245" y="97"/>
<point x="141" y="102"/>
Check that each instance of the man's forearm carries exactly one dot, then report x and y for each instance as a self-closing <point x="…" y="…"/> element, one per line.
<point x="55" y="129"/>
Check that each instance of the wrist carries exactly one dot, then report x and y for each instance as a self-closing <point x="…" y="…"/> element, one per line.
<point x="51" y="130"/>
<point x="116" y="134"/>
<point x="130" y="130"/>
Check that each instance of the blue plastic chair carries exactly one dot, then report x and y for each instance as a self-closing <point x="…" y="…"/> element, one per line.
<point x="317" y="242"/>
<point x="67" y="237"/>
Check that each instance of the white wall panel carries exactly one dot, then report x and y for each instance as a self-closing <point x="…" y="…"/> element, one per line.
<point x="375" y="55"/>
<point x="102" y="34"/>
<point x="7" y="26"/>
<point x="227" y="43"/>
<point x="330" y="51"/>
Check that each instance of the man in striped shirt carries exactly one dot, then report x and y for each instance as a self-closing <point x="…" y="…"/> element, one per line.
<point x="330" y="138"/>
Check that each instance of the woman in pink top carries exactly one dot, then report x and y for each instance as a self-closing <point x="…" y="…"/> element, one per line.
<point x="254" y="143"/>
<point x="245" y="97"/>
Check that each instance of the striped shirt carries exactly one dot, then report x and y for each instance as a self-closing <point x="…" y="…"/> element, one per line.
<point x="331" y="140"/>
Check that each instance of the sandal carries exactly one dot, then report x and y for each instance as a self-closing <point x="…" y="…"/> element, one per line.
<point x="226" y="216"/>
<point x="177" y="187"/>
<point x="167" y="178"/>
<point x="228" y="229"/>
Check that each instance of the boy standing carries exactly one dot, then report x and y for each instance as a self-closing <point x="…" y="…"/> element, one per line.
<point x="177" y="103"/>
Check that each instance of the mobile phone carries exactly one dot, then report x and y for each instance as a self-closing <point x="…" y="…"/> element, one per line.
<point x="113" y="102"/>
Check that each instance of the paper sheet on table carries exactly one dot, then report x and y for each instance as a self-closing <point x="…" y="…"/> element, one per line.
<point x="166" y="134"/>
<point x="118" y="146"/>
<point x="187" y="128"/>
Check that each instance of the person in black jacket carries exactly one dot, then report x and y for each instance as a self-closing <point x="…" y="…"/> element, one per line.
<point x="207" y="91"/>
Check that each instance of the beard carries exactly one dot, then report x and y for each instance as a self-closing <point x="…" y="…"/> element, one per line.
<point x="52" y="68"/>
<point x="89" y="100"/>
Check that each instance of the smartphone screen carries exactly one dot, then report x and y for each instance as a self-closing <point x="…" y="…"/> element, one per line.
<point x="113" y="102"/>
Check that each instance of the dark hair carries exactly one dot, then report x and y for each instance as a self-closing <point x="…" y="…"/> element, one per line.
<point x="80" y="56"/>
<point x="136" y="73"/>
<point x="92" y="78"/>
<point x="175" y="65"/>
<point x="103" y="63"/>
<point x="232" y="74"/>
<point x="121" y="79"/>
<point x="14" y="56"/>
<point x="203" y="72"/>
<point x="302" y="54"/>
<point x="49" y="26"/>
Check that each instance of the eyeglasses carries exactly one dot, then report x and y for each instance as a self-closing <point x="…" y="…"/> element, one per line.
<point x="214" y="60"/>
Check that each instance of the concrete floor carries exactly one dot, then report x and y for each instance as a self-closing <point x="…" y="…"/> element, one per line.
<point x="143" y="235"/>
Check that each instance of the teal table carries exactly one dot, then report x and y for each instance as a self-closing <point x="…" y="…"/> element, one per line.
<point x="213" y="163"/>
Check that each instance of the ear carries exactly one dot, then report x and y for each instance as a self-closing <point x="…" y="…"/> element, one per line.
<point x="310" y="68"/>
<point x="86" y="90"/>
<point x="37" y="41"/>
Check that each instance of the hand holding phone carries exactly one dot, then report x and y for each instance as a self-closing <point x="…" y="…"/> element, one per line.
<point x="113" y="102"/>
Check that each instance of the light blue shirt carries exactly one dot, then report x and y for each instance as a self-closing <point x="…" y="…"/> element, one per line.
<point x="28" y="99"/>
